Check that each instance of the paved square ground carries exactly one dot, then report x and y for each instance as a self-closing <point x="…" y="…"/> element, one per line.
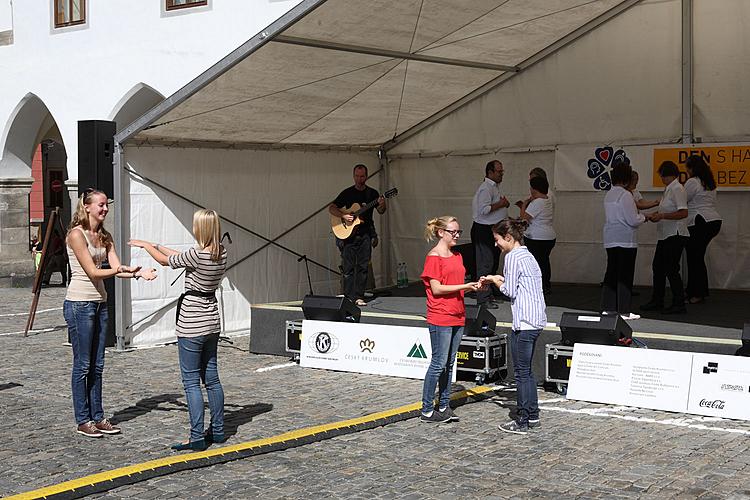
<point x="582" y="450"/>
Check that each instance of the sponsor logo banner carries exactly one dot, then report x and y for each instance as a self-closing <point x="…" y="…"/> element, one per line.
<point x="702" y="384"/>
<point x="365" y="348"/>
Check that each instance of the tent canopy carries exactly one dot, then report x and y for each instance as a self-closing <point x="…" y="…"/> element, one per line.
<point x="358" y="73"/>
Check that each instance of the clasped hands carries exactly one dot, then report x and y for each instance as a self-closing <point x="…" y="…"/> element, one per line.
<point x="485" y="282"/>
<point x="654" y="217"/>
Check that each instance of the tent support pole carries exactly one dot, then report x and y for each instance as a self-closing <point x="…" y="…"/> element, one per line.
<point x="687" y="71"/>
<point x="119" y="197"/>
<point x="385" y="249"/>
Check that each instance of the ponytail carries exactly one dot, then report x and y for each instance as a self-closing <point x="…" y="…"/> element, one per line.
<point x="434" y="225"/>
<point x="514" y="227"/>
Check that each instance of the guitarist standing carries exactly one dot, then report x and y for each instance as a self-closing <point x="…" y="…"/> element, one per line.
<point x="357" y="248"/>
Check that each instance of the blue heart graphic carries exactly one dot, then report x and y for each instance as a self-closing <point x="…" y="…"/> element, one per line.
<point x="603" y="182"/>
<point x="595" y="169"/>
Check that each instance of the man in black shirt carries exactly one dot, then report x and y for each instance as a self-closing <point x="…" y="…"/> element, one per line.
<point x="357" y="248"/>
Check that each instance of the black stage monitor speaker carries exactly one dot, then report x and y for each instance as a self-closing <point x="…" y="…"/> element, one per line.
<point x="480" y="322"/>
<point x="745" y="349"/>
<point x="96" y="146"/>
<point x="326" y="308"/>
<point x="593" y="328"/>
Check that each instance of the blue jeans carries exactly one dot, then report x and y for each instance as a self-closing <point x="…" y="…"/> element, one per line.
<point x="522" y="344"/>
<point x="87" y="330"/>
<point x="198" y="364"/>
<point x="445" y="341"/>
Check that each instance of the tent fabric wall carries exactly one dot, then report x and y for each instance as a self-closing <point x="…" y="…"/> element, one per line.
<point x="266" y="191"/>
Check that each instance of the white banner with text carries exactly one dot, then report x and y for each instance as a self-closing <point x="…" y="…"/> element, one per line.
<point x="702" y="384"/>
<point x="398" y="351"/>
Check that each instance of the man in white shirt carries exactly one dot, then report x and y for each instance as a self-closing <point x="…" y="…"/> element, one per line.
<point x="489" y="207"/>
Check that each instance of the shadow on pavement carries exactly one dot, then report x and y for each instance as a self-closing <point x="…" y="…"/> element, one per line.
<point x="234" y="418"/>
<point x="149" y="404"/>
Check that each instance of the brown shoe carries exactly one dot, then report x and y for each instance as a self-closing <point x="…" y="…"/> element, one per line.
<point x="106" y="427"/>
<point x="89" y="430"/>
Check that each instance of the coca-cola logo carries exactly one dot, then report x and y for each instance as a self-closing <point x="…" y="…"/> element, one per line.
<point x="716" y="404"/>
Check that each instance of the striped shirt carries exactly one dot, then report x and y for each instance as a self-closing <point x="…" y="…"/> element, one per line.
<point x="523" y="285"/>
<point x="199" y="315"/>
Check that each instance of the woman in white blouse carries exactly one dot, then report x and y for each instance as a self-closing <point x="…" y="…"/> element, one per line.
<point x="540" y="236"/>
<point x="671" y="231"/>
<point x="621" y="222"/>
<point x="703" y="222"/>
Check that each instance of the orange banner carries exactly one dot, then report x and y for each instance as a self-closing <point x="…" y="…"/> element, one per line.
<point x="730" y="164"/>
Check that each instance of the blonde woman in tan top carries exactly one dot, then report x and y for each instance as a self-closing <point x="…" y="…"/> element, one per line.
<point x="89" y="245"/>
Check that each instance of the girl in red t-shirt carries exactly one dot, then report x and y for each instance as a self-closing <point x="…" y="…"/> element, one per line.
<point x="443" y="278"/>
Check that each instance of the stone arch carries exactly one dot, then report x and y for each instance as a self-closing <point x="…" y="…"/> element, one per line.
<point x="133" y="104"/>
<point x="32" y="150"/>
<point x="29" y="124"/>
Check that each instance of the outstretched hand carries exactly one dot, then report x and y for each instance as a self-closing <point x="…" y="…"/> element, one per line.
<point x="130" y="269"/>
<point x="148" y="274"/>
<point x="138" y="243"/>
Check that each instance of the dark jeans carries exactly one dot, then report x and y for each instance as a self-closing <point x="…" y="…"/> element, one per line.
<point x="701" y="235"/>
<point x="666" y="265"/>
<point x="618" y="280"/>
<point x="198" y="364"/>
<point x="522" y="344"/>
<point x="487" y="256"/>
<point x="444" y="341"/>
<point x="541" y="249"/>
<point x="87" y="331"/>
<point x="355" y="257"/>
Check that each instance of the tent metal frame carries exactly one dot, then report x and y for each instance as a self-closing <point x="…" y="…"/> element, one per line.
<point x="523" y="66"/>
<point x="305" y="7"/>
<point x="374" y="51"/>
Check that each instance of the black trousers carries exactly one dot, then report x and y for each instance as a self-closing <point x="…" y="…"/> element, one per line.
<point x="355" y="257"/>
<point x="666" y="266"/>
<point x="618" y="280"/>
<point x="701" y="235"/>
<point x="541" y="249"/>
<point x="487" y="255"/>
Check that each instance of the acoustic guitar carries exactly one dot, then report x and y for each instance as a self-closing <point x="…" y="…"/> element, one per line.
<point x="343" y="229"/>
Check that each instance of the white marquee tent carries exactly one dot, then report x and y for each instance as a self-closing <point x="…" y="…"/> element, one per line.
<point x="425" y="92"/>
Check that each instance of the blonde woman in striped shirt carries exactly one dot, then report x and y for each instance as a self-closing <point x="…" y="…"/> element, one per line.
<point x="522" y="283"/>
<point x="198" y="324"/>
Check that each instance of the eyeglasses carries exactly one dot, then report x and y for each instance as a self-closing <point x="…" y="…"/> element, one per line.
<point x="456" y="233"/>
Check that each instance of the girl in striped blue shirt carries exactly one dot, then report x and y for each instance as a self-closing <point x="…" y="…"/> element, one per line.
<point x="522" y="283"/>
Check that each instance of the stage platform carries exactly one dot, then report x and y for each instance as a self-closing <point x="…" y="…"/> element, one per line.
<point x="712" y="327"/>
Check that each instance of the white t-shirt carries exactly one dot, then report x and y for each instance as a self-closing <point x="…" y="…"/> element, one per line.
<point x="637" y="196"/>
<point x="542" y="212"/>
<point x="674" y="199"/>
<point x="621" y="219"/>
<point x="700" y="202"/>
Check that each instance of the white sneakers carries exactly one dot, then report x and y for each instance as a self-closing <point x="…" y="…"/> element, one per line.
<point x="630" y="316"/>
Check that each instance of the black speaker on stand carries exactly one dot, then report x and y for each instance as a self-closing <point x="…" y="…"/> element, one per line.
<point x="603" y="329"/>
<point x="480" y="322"/>
<point x="96" y="144"/>
<point x="327" y="308"/>
<point x="745" y="349"/>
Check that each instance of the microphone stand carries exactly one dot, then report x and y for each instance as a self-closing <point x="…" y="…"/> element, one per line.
<point x="307" y="268"/>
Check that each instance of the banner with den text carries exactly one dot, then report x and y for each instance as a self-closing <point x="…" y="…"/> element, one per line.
<point x="588" y="168"/>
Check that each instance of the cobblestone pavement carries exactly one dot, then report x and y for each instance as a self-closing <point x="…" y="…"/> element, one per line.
<point x="582" y="450"/>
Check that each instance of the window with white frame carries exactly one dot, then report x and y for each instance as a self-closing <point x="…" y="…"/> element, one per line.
<point x="69" y="13"/>
<point x="183" y="4"/>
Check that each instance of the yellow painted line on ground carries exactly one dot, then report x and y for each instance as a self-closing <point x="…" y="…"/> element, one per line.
<point x="188" y="457"/>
